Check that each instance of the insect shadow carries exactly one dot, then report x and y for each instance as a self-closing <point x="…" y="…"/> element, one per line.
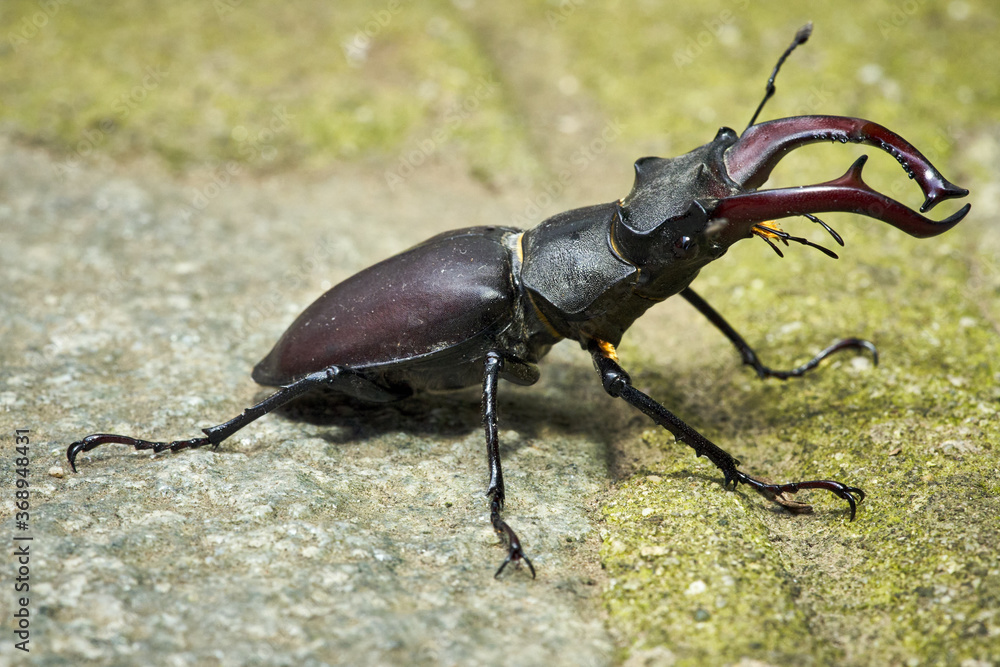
<point x="562" y="404"/>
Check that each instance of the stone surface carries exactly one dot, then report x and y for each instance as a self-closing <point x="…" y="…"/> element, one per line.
<point x="153" y="250"/>
<point x="338" y="535"/>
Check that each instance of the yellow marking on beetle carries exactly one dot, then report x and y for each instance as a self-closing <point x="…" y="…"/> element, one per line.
<point x="649" y="298"/>
<point x="768" y="229"/>
<point x="608" y="350"/>
<point x="520" y="247"/>
<point x="541" y="317"/>
<point x="611" y="237"/>
<point x="614" y="245"/>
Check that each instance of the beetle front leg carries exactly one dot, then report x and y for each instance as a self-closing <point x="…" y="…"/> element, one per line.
<point x="618" y="383"/>
<point x="495" y="489"/>
<point x="750" y="357"/>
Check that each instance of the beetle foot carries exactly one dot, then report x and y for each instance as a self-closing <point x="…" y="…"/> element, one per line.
<point x="781" y="493"/>
<point x="845" y="344"/>
<point x="515" y="552"/>
<point x="785" y="499"/>
<point x="98" y="439"/>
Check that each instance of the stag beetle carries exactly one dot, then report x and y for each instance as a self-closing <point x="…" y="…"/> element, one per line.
<point x="493" y="300"/>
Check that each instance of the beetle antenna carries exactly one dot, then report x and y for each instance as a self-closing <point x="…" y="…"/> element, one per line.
<point x="765" y="236"/>
<point x="833" y="233"/>
<point x="767" y="233"/>
<point x="800" y="38"/>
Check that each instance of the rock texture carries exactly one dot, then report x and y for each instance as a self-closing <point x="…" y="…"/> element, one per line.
<point x="159" y="228"/>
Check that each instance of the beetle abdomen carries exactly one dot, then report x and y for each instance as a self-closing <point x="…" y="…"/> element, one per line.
<point x="432" y="297"/>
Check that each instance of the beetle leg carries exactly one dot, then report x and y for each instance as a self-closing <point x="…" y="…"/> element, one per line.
<point x="495" y="489"/>
<point x="750" y="357"/>
<point x="344" y="379"/>
<point x="618" y="383"/>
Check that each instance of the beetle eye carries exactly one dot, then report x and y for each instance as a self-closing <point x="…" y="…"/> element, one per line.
<point x="684" y="246"/>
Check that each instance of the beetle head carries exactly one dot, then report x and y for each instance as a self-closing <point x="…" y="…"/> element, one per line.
<point x="665" y="219"/>
<point x="685" y="212"/>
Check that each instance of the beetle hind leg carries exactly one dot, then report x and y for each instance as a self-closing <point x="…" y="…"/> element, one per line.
<point x="750" y="357"/>
<point x="618" y="384"/>
<point x="97" y="439"/>
<point x="343" y="379"/>
<point x="495" y="489"/>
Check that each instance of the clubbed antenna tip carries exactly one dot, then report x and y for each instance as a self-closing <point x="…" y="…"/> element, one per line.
<point x="802" y="35"/>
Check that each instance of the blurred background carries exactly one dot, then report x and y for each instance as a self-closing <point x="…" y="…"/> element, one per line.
<point x="503" y="94"/>
<point x="179" y="179"/>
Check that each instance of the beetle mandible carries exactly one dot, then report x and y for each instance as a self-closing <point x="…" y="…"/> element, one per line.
<point x="584" y="275"/>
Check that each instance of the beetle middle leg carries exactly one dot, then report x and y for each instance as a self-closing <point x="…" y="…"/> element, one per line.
<point x="495" y="490"/>
<point x="750" y="357"/>
<point x="618" y="383"/>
